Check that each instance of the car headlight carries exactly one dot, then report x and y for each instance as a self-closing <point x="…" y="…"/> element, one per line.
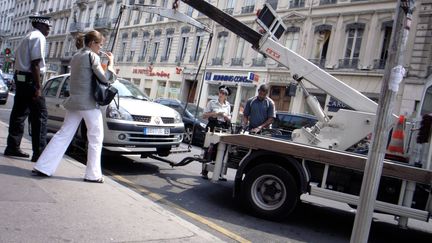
<point x="177" y="118"/>
<point x="203" y="125"/>
<point x="120" y="113"/>
<point x="3" y="88"/>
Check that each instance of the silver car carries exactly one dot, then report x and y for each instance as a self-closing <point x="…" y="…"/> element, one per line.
<point x="138" y="126"/>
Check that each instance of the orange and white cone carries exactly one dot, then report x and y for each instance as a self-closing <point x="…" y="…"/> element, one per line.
<point x="395" y="149"/>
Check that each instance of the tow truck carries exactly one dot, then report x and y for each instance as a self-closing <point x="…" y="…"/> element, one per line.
<point x="272" y="174"/>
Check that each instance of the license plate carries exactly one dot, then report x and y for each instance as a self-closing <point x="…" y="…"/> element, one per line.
<point x="156" y="131"/>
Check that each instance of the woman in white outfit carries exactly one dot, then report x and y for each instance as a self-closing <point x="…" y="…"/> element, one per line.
<point x="81" y="105"/>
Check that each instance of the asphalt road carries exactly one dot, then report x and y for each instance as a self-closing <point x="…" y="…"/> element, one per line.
<point x="210" y="205"/>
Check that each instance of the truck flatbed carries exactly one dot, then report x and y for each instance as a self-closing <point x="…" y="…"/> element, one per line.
<point x="331" y="157"/>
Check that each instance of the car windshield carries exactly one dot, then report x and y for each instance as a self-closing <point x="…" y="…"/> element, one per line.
<point x="191" y="108"/>
<point x="127" y="89"/>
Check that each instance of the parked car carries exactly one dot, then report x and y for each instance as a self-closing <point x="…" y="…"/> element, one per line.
<point x="189" y="119"/>
<point x="286" y="122"/>
<point x="4" y="92"/>
<point x="9" y="81"/>
<point x="138" y="126"/>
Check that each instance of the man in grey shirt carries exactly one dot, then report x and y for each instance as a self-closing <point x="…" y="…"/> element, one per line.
<point x="259" y="111"/>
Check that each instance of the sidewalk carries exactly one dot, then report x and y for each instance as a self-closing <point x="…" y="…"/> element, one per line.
<point x="63" y="208"/>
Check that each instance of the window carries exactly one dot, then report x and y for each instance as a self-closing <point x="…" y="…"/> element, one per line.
<point x="297" y="3"/>
<point x="133" y="46"/>
<point x="387" y="29"/>
<point x="164" y="4"/>
<point x="64" y="92"/>
<point x="52" y="87"/>
<point x="183" y="48"/>
<point x="322" y="39"/>
<point x="427" y="102"/>
<point x="167" y="49"/>
<point x="273" y="3"/>
<point x="198" y="47"/>
<point x="292" y="38"/>
<point x="138" y="17"/>
<point x="144" y="50"/>
<point x="87" y="24"/>
<point x="155" y="52"/>
<point x="353" y="44"/>
<point x="222" y="39"/>
<point x="189" y="11"/>
<point x="248" y="6"/>
<point x="230" y="4"/>
<point x="238" y="58"/>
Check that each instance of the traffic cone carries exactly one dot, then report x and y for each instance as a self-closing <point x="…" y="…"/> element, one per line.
<point x="395" y="149"/>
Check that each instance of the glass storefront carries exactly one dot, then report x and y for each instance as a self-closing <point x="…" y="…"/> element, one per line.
<point x="161" y="89"/>
<point x="174" y="90"/>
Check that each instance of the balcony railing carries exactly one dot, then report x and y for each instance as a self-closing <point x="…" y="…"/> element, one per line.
<point x="237" y="61"/>
<point x="319" y="62"/>
<point x="141" y="58"/>
<point x="349" y="63"/>
<point x="129" y="58"/>
<point x="379" y="63"/>
<point x="76" y="27"/>
<point x="152" y="59"/>
<point x="102" y="23"/>
<point x="164" y="58"/>
<point x="217" y="61"/>
<point x="258" y="62"/>
<point x="230" y="10"/>
<point x="193" y="59"/>
<point x="325" y="2"/>
<point x="247" y="9"/>
<point x="149" y="19"/>
<point x="179" y="59"/>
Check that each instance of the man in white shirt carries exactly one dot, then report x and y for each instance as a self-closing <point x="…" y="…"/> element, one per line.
<point x="29" y="102"/>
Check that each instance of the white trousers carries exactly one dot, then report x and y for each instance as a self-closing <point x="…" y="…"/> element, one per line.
<point x="56" y="148"/>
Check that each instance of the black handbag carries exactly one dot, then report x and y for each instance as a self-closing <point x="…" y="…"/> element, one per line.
<point x="103" y="92"/>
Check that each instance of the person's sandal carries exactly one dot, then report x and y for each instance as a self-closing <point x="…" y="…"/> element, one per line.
<point x="100" y="180"/>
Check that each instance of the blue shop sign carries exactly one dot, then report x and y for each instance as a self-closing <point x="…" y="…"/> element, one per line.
<point x="227" y="78"/>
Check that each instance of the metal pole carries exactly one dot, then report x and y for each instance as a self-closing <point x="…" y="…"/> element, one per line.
<point x="389" y="89"/>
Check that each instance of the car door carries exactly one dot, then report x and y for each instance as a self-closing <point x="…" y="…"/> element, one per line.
<point x="56" y="112"/>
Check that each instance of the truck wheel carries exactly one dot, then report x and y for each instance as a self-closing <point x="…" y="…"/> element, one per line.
<point x="269" y="191"/>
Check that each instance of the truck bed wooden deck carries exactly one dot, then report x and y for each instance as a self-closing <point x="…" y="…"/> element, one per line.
<point x="331" y="157"/>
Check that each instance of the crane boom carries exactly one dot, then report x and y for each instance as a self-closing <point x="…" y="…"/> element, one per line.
<point x="298" y="66"/>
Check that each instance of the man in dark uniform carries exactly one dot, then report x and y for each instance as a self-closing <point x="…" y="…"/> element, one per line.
<point x="29" y="70"/>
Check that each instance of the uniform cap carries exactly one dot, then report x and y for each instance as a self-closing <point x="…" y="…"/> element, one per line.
<point x="40" y="19"/>
<point x="225" y="89"/>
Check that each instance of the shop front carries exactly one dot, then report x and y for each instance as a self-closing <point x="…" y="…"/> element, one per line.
<point x="156" y="82"/>
<point x="243" y="86"/>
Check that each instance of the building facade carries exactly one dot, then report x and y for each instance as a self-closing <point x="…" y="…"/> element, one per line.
<point x="348" y="38"/>
<point x="6" y="17"/>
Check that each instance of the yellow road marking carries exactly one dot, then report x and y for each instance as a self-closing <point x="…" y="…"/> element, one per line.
<point x="196" y="217"/>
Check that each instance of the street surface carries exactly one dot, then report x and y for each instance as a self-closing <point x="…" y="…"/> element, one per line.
<point x="211" y="207"/>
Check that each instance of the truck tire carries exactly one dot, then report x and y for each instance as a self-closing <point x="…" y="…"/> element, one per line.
<point x="269" y="191"/>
